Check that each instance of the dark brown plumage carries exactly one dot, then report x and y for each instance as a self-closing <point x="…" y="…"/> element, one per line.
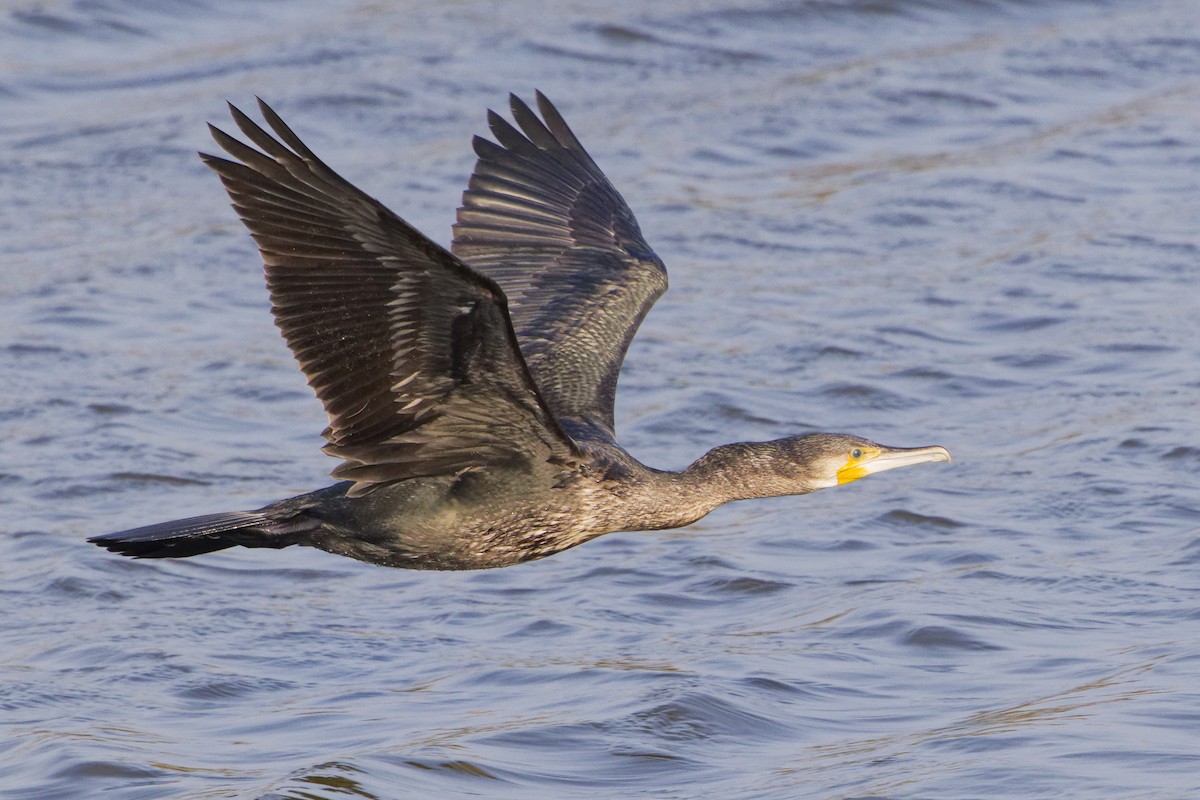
<point x="470" y="393"/>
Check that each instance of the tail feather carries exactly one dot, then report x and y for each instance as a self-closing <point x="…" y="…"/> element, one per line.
<point x="195" y="535"/>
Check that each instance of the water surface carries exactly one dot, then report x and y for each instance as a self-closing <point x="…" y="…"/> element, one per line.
<point x="971" y="224"/>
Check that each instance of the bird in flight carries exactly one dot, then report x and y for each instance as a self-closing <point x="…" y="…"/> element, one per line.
<point x="470" y="392"/>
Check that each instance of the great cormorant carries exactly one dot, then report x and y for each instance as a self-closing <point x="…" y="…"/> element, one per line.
<point x="470" y="391"/>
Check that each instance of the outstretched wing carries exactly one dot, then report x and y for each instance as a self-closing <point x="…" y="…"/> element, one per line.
<point x="412" y="353"/>
<point x="540" y="218"/>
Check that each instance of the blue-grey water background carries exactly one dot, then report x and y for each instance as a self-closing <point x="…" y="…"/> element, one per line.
<point x="964" y="223"/>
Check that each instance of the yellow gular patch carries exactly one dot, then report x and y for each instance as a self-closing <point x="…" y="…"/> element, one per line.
<point x="856" y="467"/>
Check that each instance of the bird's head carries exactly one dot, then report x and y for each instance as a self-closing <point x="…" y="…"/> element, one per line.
<point x="801" y="464"/>
<point x="824" y="460"/>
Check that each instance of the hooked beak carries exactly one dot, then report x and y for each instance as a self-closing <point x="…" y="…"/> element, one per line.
<point x="890" y="458"/>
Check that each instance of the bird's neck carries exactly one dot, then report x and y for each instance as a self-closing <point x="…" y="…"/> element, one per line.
<point x="741" y="471"/>
<point x="730" y="472"/>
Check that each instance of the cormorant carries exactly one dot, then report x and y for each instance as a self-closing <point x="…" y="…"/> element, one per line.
<point x="470" y="391"/>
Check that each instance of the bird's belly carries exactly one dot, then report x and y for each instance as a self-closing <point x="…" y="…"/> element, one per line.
<point x="431" y="523"/>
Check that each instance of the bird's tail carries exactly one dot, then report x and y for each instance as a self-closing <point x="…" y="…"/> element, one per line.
<point x="195" y="535"/>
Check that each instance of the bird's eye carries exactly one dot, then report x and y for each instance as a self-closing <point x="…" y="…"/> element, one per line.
<point x="856" y="454"/>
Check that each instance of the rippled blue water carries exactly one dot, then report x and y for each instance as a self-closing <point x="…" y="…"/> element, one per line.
<point x="965" y="223"/>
